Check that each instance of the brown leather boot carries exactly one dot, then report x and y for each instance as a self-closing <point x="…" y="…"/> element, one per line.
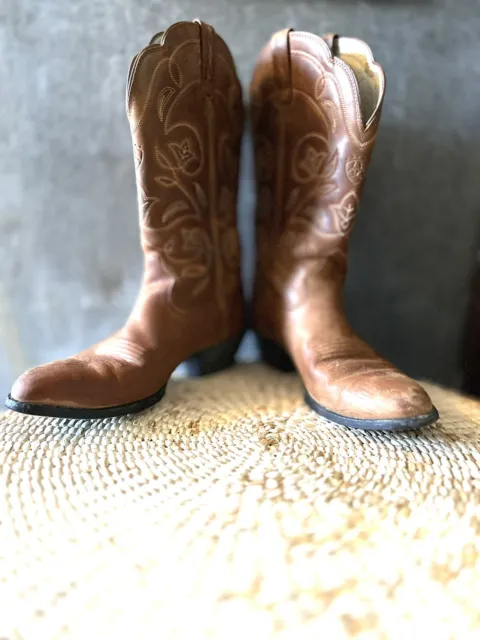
<point x="184" y="105"/>
<point x="316" y="107"/>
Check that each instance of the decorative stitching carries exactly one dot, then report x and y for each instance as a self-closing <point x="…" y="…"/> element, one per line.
<point x="190" y="220"/>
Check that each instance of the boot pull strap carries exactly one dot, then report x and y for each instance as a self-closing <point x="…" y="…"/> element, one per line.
<point x="332" y="41"/>
<point x="282" y="64"/>
<point x="206" y="50"/>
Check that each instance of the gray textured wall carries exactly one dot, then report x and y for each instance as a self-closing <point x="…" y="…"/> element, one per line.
<point x="69" y="253"/>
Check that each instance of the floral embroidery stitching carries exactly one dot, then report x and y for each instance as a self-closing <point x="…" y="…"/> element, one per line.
<point x="344" y="212"/>
<point x="312" y="161"/>
<point x="198" y="244"/>
<point x="183" y="152"/>
<point x="355" y="169"/>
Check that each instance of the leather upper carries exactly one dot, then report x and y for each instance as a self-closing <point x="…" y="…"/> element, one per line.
<point x="184" y="106"/>
<point x="313" y="143"/>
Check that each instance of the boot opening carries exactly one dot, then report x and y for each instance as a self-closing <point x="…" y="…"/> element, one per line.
<point x="157" y="38"/>
<point x="357" y="56"/>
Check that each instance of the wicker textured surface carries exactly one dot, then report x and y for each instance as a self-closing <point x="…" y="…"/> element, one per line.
<point x="232" y="511"/>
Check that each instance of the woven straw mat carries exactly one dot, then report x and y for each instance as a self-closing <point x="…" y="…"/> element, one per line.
<point x="231" y="511"/>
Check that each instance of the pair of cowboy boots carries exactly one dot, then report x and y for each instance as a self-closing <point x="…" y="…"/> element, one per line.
<point x="315" y="106"/>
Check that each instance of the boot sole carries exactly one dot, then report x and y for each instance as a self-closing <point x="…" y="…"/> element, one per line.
<point x="276" y="357"/>
<point x="211" y="360"/>
<point x="397" y="424"/>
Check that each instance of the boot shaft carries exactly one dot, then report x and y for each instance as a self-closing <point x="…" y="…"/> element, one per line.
<point x="316" y="106"/>
<point x="184" y="105"/>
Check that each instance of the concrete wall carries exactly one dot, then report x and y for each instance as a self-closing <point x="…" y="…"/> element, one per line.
<point x="69" y="252"/>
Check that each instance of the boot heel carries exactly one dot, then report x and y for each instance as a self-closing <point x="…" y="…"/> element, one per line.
<point x="273" y="355"/>
<point x="213" y="359"/>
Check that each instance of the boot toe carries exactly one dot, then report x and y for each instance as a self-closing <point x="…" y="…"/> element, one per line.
<point x="386" y="397"/>
<point x="383" y="400"/>
<point x="412" y="400"/>
<point x="388" y="402"/>
<point x="85" y="388"/>
<point x="55" y="384"/>
<point x="26" y="388"/>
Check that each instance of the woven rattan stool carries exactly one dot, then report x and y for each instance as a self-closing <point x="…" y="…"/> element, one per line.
<point x="231" y="511"/>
